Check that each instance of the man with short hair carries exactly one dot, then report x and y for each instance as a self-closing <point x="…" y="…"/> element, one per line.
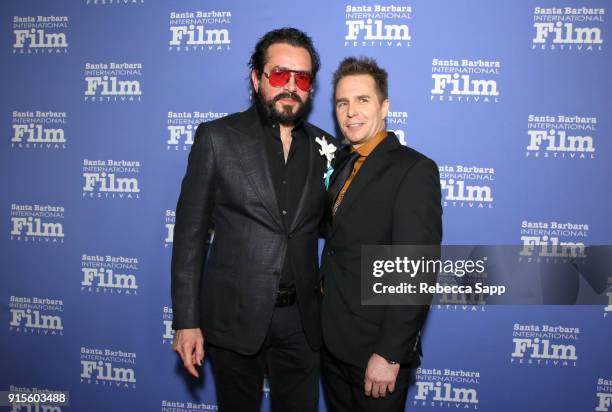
<point x="382" y="193"/>
<point x="256" y="179"/>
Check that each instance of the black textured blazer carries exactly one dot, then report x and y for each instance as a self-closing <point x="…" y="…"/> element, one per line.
<point x="229" y="288"/>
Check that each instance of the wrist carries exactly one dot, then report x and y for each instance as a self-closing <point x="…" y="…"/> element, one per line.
<point x="389" y="361"/>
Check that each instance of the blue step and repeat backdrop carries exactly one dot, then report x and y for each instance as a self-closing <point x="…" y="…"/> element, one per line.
<point x="100" y="99"/>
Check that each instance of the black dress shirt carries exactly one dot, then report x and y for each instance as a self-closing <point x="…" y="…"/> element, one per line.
<point x="288" y="178"/>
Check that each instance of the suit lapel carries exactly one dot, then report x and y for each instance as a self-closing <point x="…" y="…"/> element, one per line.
<point x="335" y="185"/>
<point x="254" y="162"/>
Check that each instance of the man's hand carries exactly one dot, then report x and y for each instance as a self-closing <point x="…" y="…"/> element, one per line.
<point x="189" y="344"/>
<point x="380" y="376"/>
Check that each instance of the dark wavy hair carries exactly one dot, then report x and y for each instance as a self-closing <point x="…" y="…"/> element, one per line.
<point x="288" y="35"/>
<point x="363" y="65"/>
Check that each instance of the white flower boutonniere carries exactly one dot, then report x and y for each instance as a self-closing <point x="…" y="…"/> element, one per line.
<point x="329" y="151"/>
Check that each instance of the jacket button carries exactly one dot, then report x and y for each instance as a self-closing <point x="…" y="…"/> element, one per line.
<point x="330" y="252"/>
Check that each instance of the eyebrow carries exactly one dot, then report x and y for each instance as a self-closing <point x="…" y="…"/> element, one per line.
<point x="291" y="70"/>
<point x="361" y="96"/>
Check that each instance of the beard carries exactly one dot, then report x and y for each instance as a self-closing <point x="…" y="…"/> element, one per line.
<point x="285" y="116"/>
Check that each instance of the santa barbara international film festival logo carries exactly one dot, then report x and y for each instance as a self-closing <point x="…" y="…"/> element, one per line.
<point x="473" y="302"/>
<point x="111" y="179"/>
<point x="603" y="395"/>
<point x="473" y="81"/>
<point x="568" y="28"/>
<point x="38" y="130"/>
<point x="37" y="223"/>
<point x="182" y="126"/>
<point x="397" y="122"/>
<point x="199" y="31"/>
<point x="377" y="26"/>
<point x="40" y="34"/>
<point x="169" y="219"/>
<point x="544" y="345"/>
<point x="448" y="388"/>
<point x="186" y="406"/>
<point x="467" y="186"/>
<point x="34" y="315"/>
<point x="168" y="335"/>
<point x="113" y="82"/>
<point x="552" y="241"/>
<point x="561" y="137"/>
<point x="113" y="2"/>
<point x="106" y="367"/>
<point x="109" y="274"/>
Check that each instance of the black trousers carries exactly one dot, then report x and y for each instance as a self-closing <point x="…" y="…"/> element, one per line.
<point x="343" y="385"/>
<point x="291" y="365"/>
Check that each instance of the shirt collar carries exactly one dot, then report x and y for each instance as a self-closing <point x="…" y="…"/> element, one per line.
<point x="369" y="146"/>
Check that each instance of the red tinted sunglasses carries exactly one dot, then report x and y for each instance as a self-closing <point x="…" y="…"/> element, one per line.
<point x="280" y="77"/>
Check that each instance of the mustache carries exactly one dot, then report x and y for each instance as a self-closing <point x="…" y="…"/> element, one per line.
<point x="287" y="95"/>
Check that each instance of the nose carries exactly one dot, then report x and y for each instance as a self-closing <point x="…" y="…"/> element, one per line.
<point x="350" y="110"/>
<point x="291" y="86"/>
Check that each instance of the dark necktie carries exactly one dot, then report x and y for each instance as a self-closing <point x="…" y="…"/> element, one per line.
<point x="340" y="179"/>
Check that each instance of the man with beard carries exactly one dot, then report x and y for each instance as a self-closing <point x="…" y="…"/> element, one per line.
<point x="256" y="179"/>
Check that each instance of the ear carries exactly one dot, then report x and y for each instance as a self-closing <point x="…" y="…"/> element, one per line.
<point x="255" y="81"/>
<point x="384" y="108"/>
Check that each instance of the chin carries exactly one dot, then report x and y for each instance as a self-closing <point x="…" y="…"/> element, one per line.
<point x="353" y="139"/>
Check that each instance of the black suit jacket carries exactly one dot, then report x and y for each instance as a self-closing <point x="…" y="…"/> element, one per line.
<point x="394" y="199"/>
<point x="230" y="290"/>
